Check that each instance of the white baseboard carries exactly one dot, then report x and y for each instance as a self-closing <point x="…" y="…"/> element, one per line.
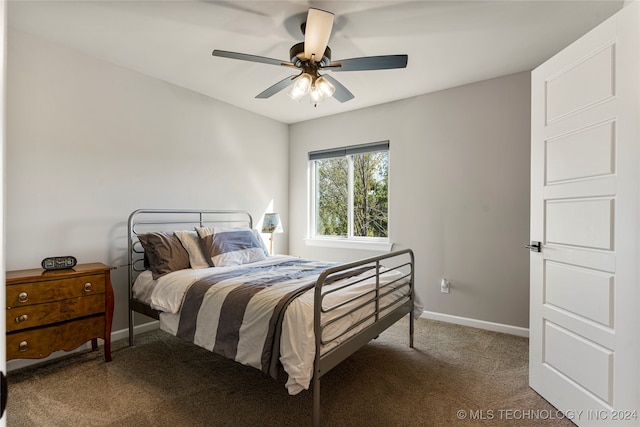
<point x="138" y="329"/>
<point x="481" y="324"/>
<point x="14" y="364"/>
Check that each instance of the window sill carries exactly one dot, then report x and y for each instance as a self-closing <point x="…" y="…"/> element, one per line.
<point x="349" y="244"/>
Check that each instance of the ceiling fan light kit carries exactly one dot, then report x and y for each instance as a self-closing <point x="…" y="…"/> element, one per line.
<point x="313" y="55"/>
<point x="317" y="86"/>
<point x="320" y="91"/>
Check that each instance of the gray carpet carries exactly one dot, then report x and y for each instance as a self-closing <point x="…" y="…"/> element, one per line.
<point x="455" y="375"/>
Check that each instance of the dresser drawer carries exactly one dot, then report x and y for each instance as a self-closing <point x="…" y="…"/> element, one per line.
<point x="53" y="312"/>
<point x="39" y="343"/>
<point x="22" y="294"/>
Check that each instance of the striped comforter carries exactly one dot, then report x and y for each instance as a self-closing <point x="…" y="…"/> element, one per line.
<point x="258" y="314"/>
<point x="254" y="297"/>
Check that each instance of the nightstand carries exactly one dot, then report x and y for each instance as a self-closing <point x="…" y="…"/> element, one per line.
<point x="58" y="310"/>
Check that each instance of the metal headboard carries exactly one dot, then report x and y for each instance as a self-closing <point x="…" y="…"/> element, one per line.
<point x="148" y="220"/>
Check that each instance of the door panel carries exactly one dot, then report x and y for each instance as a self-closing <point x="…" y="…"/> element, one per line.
<point x="574" y="89"/>
<point x="583" y="154"/>
<point x="585" y="205"/>
<point x="580" y="222"/>
<point x="563" y="282"/>
<point x="592" y="370"/>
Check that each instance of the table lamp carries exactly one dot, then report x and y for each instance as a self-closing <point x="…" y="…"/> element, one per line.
<point x="271" y="224"/>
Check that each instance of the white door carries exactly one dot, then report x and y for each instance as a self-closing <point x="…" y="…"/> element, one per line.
<point x="585" y="156"/>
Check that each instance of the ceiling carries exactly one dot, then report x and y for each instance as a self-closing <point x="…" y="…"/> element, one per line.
<point x="449" y="43"/>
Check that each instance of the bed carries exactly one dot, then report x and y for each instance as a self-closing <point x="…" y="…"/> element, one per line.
<point x="207" y="277"/>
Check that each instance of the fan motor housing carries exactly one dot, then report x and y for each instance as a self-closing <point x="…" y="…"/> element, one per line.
<point x="296" y="53"/>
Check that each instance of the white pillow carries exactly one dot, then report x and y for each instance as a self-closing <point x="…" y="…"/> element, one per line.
<point x="191" y="243"/>
<point x="225" y="246"/>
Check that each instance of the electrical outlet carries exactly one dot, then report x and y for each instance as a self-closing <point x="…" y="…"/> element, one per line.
<point x="444" y="286"/>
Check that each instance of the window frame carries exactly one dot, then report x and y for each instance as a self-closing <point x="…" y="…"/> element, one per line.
<point x="350" y="241"/>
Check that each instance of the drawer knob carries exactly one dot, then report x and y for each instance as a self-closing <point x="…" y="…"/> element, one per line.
<point x="23" y="297"/>
<point x="87" y="287"/>
<point x="23" y="346"/>
<point x="22" y="318"/>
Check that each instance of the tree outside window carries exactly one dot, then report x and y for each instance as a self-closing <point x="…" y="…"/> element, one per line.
<point x="351" y="192"/>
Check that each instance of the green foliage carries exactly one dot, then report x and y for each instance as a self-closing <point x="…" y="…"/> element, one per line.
<point x="370" y="195"/>
<point x="370" y="203"/>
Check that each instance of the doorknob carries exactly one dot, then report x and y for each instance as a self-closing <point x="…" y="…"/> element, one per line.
<point x="534" y="246"/>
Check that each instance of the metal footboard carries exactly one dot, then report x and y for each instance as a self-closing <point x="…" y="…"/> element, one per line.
<point x="386" y="302"/>
<point x="398" y="296"/>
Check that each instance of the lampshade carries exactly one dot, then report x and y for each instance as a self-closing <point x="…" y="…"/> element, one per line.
<point x="325" y="87"/>
<point x="315" y="95"/>
<point x="271" y="223"/>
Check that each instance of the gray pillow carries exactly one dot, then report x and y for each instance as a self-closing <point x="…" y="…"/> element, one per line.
<point x="230" y="246"/>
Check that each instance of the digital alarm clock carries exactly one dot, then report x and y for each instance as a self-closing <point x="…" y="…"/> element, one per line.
<point x="59" y="262"/>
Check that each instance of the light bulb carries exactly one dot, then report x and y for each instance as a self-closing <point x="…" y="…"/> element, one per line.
<point x="295" y="94"/>
<point x="325" y="87"/>
<point x="316" y="95"/>
<point x="301" y="86"/>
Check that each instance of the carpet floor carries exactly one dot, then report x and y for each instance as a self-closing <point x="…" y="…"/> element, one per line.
<point x="454" y="376"/>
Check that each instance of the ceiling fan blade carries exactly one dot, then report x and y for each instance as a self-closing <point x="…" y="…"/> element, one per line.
<point x="342" y="94"/>
<point x="282" y="84"/>
<point x="384" y="62"/>
<point x="317" y="32"/>
<point x="251" y="58"/>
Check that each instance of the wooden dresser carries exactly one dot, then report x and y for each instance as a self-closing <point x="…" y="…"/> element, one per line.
<point x="49" y="311"/>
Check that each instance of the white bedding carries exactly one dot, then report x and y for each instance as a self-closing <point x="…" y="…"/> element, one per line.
<point x="297" y="344"/>
<point x="167" y="293"/>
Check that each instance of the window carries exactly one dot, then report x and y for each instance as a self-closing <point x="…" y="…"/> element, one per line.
<point x="350" y="193"/>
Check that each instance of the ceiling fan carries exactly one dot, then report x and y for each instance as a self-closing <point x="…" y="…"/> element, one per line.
<point x="312" y="56"/>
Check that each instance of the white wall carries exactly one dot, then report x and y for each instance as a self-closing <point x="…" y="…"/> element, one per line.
<point x="459" y="191"/>
<point x="88" y="142"/>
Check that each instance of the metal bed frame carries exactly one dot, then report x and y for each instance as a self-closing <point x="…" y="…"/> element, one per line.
<point x="147" y="220"/>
